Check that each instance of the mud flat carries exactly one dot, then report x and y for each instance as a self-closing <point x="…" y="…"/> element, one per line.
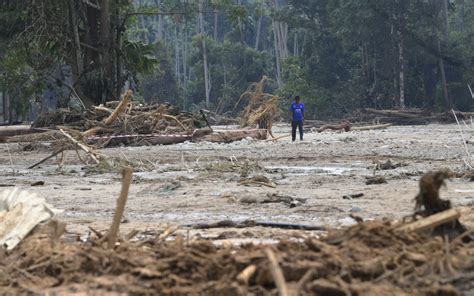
<point x="199" y="182"/>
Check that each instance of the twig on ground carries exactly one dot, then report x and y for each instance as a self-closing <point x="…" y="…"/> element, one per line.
<point x="46" y="158"/>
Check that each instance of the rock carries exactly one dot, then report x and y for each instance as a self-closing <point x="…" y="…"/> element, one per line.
<point x="355" y="210"/>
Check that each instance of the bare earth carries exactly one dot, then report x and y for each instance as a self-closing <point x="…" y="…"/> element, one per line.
<point x="198" y="182"/>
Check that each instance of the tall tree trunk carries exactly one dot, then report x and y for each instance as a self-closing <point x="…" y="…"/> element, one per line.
<point x="75" y="33"/>
<point x="159" y="20"/>
<point x="401" y="61"/>
<point x="106" y="52"/>
<point x="5" y="106"/>
<point x="120" y="80"/>
<point x="207" y="83"/>
<point x="442" y="72"/>
<point x="104" y="23"/>
<point x="184" y="63"/>
<point x="445" y="21"/>
<point x="283" y="31"/>
<point x="77" y="64"/>
<point x="447" y="100"/>
<point x="259" y="27"/>
<point x="295" y="45"/>
<point x="277" y="55"/>
<point x="241" y="26"/>
<point x="176" y="52"/>
<point x="216" y="19"/>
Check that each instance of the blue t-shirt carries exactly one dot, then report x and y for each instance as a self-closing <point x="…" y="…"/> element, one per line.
<point x="297" y="111"/>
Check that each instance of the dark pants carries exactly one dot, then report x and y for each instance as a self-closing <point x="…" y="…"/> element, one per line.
<point x="295" y="124"/>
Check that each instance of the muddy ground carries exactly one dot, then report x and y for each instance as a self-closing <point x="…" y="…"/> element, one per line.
<point x="198" y="182"/>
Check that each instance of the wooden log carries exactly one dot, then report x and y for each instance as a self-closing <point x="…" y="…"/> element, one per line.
<point x="11" y="131"/>
<point x="169" y="139"/>
<point x="370" y="127"/>
<point x="394" y="113"/>
<point x="126" y="98"/>
<point x="431" y="221"/>
<point x="252" y="223"/>
<point x="30" y="138"/>
<point x="342" y="126"/>
<point x="234" y="135"/>
<point x="121" y="201"/>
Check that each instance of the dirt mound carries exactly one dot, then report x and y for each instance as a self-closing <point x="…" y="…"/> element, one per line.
<point x="371" y="258"/>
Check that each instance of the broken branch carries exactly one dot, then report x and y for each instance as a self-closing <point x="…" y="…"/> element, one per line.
<point x="121" y="201"/>
<point x="431" y="221"/>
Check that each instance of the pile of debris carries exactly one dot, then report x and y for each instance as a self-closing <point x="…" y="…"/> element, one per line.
<point x="411" y="116"/>
<point x="123" y="123"/>
<point x="369" y="258"/>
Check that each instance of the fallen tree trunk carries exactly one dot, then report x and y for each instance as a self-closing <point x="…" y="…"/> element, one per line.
<point x="342" y="126"/>
<point x="253" y="223"/>
<point x="395" y="113"/>
<point x="234" y="135"/>
<point x="371" y="127"/>
<point x="11" y="131"/>
<point x="31" y="138"/>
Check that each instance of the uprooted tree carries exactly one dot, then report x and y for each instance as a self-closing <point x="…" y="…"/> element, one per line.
<point x="262" y="108"/>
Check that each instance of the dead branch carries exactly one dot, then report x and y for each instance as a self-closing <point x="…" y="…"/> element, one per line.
<point x="175" y="119"/>
<point x="46" y="158"/>
<point x="432" y="221"/>
<point x="126" y="98"/>
<point x="121" y="201"/>
<point x="82" y="146"/>
<point x="103" y="109"/>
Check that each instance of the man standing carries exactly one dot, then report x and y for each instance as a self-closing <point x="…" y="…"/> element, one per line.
<point x="296" y="113"/>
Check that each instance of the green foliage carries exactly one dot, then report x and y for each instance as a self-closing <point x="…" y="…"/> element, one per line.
<point x="233" y="68"/>
<point x="160" y="84"/>
<point x="139" y="57"/>
<point x="22" y="82"/>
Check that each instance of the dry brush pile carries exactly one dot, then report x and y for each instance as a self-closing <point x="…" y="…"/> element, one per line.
<point x="371" y="258"/>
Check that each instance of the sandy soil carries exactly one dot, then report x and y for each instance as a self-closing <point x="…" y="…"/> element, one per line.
<point x="198" y="182"/>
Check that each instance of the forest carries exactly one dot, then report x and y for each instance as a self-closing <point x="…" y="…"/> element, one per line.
<point x="338" y="55"/>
